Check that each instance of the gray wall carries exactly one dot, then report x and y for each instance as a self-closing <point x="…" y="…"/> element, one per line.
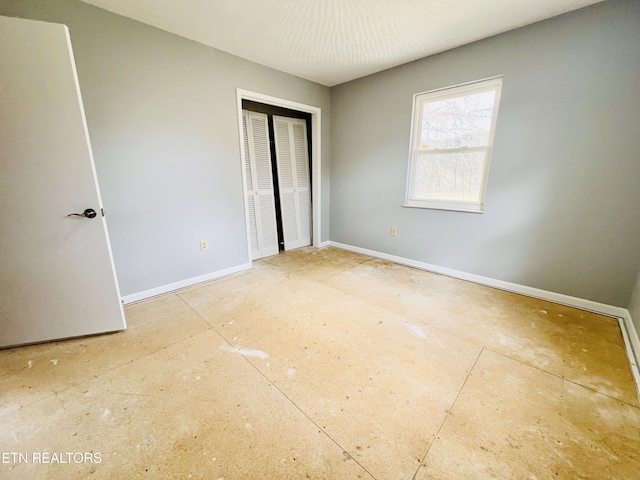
<point x="561" y="210"/>
<point x="564" y="184"/>
<point x="162" y="118"/>
<point x="634" y="306"/>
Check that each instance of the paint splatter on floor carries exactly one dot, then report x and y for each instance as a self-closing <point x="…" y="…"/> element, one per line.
<point x="246" y="352"/>
<point x="416" y="330"/>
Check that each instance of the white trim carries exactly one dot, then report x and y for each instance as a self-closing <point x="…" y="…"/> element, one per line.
<point x="632" y="343"/>
<point x="85" y="127"/>
<point x="632" y="337"/>
<point x="629" y="332"/>
<point x="452" y="206"/>
<point x="580" y="303"/>
<point x="452" y="90"/>
<point x="419" y="99"/>
<point x="243" y="156"/>
<point x="439" y="151"/>
<point x="136" y="297"/>
<point x="316" y="152"/>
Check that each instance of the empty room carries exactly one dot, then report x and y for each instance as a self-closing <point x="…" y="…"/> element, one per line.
<point x="328" y="239"/>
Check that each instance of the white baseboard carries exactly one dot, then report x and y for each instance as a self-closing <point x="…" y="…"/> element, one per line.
<point x="492" y="282"/>
<point x="634" y="340"/>
<point x="136" y="297"/>
<point x="629" y="332"/>
<point x="632" y="343"/>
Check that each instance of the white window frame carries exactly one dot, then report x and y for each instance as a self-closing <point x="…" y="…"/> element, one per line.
<point x="419" y="99"/>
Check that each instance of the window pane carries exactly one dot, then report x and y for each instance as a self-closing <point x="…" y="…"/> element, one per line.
<point x="457" y="122"/>
<point x="450" y="176"/>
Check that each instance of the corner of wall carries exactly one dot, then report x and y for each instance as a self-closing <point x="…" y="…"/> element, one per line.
<point x="632" y="322"/>
<point x="632" y="342"/>
<point x="634" y="305"/>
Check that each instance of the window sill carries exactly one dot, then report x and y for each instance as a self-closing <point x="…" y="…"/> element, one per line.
<point x="450" y="206"/>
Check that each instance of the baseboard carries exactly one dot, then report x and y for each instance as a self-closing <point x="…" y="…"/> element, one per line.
<point x="136" y="297"/>
<point x="491" y="282"/>
<point x="633" y="339"/>
<point x="629" y="332"/>
<point x="632" y="343"/>
<point x="324" y="244"/>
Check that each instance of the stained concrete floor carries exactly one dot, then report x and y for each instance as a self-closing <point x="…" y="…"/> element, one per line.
<point x="325" y="364"/>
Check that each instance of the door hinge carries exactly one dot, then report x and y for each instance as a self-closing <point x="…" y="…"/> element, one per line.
<point x="102" y="211"/>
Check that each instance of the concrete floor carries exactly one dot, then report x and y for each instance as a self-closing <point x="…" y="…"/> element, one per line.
<point x="325" y="364"/>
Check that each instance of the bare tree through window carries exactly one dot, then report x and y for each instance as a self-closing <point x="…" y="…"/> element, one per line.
<point x="452" y="142"/>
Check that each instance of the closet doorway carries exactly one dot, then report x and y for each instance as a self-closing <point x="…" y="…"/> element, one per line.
<point x="278" y="155"/>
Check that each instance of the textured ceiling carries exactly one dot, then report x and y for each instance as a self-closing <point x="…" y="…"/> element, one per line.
<point x="334" y="41"/>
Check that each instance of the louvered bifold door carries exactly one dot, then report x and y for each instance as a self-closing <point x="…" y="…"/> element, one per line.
<point x="263" y="233"/>
<point x="292" y="157"/>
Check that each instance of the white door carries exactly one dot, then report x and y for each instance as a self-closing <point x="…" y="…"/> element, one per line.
<point x="292" y="156"/>
<point x="56" y="272"/>
<point x="260" y="193"/>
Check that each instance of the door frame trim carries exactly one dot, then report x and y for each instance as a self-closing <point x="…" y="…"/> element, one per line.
<point x="316" y="155"/>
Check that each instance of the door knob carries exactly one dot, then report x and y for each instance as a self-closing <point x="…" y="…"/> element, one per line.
<point x="88" y="213"/>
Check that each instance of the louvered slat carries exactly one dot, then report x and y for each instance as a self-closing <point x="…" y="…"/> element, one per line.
<point x="253" y="229"/>
<point x="293" y="177"/>
<point x="289" y="217"/>
<point x="262" y="152"/>
<point x="304" y="204"/>
<point x="269" y="228"/>
<point x="283" y="154"/>
<point x="301" y="155"/>
<point x="263" y="232"/>
<point x="247" y="161"/>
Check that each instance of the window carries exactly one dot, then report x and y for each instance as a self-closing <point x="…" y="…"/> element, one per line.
<point x="451" y="138"/>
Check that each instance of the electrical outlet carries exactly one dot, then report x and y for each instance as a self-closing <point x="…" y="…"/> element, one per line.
<point x="394" y="231"/>
<point x="204" y="246"/>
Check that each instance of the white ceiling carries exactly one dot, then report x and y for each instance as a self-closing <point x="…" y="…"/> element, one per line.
<point x="334" y="41"/>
